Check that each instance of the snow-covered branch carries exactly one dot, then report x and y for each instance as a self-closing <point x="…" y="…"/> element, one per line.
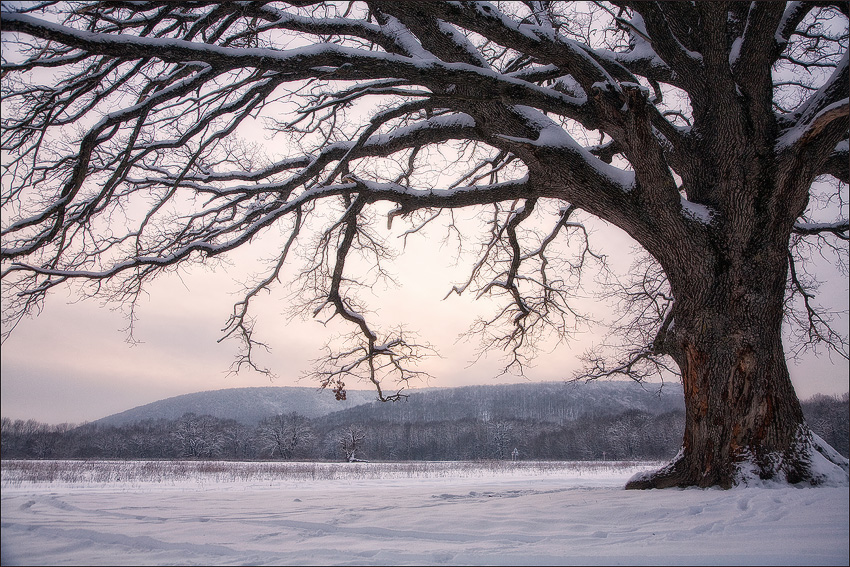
<point x="142" y="137"/>
<point x="839" y="229"/>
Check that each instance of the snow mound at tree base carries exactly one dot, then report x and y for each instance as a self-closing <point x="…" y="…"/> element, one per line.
<point x="829" y="464"/>
<point x="826" y="466"/>
<point x="812" y="460"/>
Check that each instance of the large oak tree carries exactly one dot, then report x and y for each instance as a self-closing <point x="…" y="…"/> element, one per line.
<point x="701" y="129"/>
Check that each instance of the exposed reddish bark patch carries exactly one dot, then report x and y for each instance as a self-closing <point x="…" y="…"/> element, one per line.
<point x="691" y="378"/>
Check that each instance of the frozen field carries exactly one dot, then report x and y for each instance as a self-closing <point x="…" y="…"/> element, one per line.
<point x="502" y="513"/>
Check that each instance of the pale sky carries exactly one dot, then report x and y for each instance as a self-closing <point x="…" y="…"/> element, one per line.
<point x="71" y="364"/>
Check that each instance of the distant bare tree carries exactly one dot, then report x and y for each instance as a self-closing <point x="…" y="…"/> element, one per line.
<point x="198" y="436"/>
<point x="351" y="441"/>
<point x="715" y="134"/>
<point x="282" y="434"/>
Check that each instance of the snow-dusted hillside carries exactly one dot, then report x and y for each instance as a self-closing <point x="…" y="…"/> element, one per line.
<point x="556" y="402"/>
<point x="245" y="405"/>
<point x="546" y="401"/>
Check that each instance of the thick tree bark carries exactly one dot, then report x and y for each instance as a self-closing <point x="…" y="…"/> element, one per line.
<point x="743" y="419"/>
<point x="740" y="404"/>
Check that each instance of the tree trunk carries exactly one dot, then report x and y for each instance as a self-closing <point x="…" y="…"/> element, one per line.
<point x="743" y="419"/>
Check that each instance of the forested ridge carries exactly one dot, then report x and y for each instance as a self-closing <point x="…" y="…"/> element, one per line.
<point x="519" y="421"/>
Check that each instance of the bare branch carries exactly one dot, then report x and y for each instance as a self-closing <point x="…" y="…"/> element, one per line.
<point x="140" y="138"/>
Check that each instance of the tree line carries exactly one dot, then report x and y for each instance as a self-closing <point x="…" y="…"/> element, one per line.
<point x="630" y="434"/>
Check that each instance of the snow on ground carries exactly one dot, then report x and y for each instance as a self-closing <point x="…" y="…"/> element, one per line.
<point x="431" y="514"/>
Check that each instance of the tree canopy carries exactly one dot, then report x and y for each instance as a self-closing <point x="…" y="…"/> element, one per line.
<point x="715" y="134"/>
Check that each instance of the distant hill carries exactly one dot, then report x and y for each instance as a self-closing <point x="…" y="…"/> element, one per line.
<point x="543" y="421"/>
<point x="245" y="405"/>
<point x="540" y="401"/>
<point x="555" y="402"/>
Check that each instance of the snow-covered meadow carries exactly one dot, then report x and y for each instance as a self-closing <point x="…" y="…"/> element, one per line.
<point x="419" y="513"/>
